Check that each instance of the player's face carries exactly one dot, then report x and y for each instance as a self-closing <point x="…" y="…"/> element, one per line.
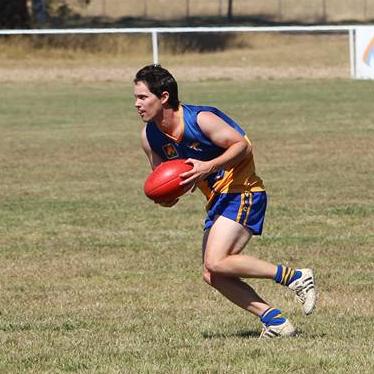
<point x="147" y="104"/>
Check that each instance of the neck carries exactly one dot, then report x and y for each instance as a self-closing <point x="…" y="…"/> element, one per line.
<point x="169" y="121"/>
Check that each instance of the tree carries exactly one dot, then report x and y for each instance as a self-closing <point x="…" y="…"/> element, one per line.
<point x="229" y="10"/>
<point x="14" y="14"/>
<point x="39" y="11"/>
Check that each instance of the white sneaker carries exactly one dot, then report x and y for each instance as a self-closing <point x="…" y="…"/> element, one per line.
<point x="283" y="330"/>
<point x="304" y="288"/>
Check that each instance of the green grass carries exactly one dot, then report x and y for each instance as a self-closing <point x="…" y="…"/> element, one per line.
<point x="96" y="278"/>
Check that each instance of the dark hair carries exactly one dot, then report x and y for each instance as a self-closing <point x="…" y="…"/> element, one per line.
<point x="159" y="80"/>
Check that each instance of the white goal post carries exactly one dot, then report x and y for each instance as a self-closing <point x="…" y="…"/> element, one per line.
<point x="350" y="29"/>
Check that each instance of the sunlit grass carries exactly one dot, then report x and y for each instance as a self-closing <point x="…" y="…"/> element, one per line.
<point x="245" y="57"/>
<point x="96" y="278"/>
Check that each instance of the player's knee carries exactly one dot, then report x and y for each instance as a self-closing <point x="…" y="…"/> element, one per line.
<point x="213" y="266"/>
<point x="207" y="277"/>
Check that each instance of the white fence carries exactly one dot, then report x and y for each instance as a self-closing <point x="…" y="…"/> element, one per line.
<point x="154" y="32"/>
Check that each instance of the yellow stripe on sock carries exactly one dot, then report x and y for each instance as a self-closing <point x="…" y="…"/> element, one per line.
<point x="287" y="275"/>
<point x="283" y="274"/>
<point x="291" y="273"/>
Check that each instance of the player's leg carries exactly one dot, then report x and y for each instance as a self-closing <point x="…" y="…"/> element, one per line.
<point x="248" y="210"/>
<point x="223" y="256"/>
<point x="234" y="289"/>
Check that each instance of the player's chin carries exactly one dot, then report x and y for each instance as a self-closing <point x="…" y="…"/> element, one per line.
<point x="143" y="116"/>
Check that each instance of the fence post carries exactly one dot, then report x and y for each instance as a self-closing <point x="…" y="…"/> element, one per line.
<point x="352" y="52"/>
<point x="155" y="47"/>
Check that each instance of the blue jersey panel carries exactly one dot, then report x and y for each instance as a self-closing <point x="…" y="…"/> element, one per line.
<point x="193" y="144"/>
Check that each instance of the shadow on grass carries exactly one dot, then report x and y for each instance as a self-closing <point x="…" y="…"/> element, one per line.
<point x="256" y="334"/>
<point x="237" y="334"/>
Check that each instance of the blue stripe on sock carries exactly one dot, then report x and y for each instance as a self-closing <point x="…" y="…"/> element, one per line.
<point x="272" y="317"/>
<point x="278" y="276"/>
<point x="296" y="275"/>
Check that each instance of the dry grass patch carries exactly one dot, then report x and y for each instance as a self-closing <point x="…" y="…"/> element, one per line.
<point x="261" y="56"/>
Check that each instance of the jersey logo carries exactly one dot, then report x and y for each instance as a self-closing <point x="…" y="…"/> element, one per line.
<point x="170" y="151"/>
<point x="195" y="146"/>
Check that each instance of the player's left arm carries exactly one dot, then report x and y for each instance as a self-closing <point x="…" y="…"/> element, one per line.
<point x="224" y="136"/>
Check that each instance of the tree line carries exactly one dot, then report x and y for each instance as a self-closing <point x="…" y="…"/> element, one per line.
<point x="17" y="13"/>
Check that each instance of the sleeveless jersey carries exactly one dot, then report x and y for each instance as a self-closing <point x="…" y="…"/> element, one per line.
<point x="195" y="144"/>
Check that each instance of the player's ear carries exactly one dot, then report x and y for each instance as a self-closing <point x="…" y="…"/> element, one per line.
<point x="164" y="97"/>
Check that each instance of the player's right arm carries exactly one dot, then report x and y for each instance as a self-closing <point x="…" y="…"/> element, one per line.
<point x="153" y="158"/>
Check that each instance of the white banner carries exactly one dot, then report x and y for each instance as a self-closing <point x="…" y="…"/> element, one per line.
<point x="364" y="52"/>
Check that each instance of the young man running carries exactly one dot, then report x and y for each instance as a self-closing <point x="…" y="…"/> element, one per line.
<point x="224" y="170"/>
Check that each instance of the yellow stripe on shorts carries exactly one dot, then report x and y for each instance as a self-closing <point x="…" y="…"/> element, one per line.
<point x="242" y="202"/>
<point x="249" y="208"/>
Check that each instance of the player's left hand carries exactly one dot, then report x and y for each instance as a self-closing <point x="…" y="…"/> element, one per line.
<point x="199" y="171"/>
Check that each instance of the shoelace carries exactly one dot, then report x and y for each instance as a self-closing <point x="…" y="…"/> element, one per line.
<point x="267" y="332"/>
<point x="300" y="293"/>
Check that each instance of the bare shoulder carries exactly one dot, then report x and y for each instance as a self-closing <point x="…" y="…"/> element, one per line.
<point x="144" y="140"/>
<point x="218" y="130"/>
<point x="207" y="117"/>
<point x="144" y="132"/>
<point x="209" y="122"/>
<point x="153" y="157"/>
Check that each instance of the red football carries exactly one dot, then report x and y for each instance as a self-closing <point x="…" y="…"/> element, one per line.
<point x="163" y="183"/>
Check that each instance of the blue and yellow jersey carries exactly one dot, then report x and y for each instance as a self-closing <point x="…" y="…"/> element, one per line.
<point x="194" y="144"/>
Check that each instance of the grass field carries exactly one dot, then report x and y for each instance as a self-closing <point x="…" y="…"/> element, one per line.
<point x="96" y="278"/>
<point x="116" y="58"/>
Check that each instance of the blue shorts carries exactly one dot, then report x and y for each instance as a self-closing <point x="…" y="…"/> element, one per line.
<point x="247" y="208"/>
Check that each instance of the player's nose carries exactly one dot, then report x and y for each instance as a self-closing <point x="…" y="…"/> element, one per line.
<point x="137" y="104"/>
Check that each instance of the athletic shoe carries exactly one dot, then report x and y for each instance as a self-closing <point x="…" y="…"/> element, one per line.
<point x="276" y="331"/>
<point x="305" y="290"/>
